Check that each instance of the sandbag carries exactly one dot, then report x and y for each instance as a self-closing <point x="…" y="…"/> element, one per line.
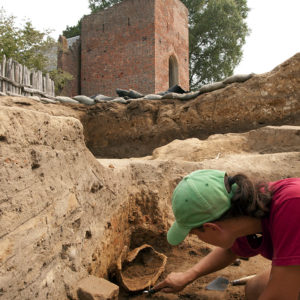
<point x="140" y="268"/>
<point x="176" y="89"/>
<point x="84" y="99"/>
<point x="211" y="87"/>
<point x="122" y="93"/>
<point x="101" y="97"/>
<point x="101" y="101"/>
<point x="47" y="100"/>
<point x="131" y="94"/>
<point x="189" y="96"/>
<point x="119" y="100"/>
<point x="238" y="78"/>
<point x="152" y="97"/>
<point x="64" y="99"/>
<point x="170" y="96"/>
<point x="134" y="94"/>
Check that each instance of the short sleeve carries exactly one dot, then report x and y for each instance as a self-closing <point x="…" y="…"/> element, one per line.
<point x="285" y="233"/>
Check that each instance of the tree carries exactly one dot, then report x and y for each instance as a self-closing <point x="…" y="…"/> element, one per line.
<point x="29" y="47"/>
<point x="96" y="5"/>
<point x="26" y="45"/>
<point x="217" y="32"/>
<point x="60" y="78"/>
<point x="72" y="31"/>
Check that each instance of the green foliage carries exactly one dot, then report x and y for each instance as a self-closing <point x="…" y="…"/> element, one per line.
<point x="72" y="31"/>
<point x="26" y="45"/>
<point x="94" y="5"/>
<point x="217" y="30"/>
<point x="60" y="78"/>
<point x="97" y="5"/>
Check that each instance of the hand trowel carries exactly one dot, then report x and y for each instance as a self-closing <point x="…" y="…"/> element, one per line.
<point x="221" y="283"/>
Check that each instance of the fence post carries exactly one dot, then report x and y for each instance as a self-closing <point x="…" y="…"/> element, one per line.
<point x="3" y="73"/>
<point x="17" y="79"/>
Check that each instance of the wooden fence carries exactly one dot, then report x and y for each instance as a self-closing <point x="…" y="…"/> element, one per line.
<point x="16" y="80"/>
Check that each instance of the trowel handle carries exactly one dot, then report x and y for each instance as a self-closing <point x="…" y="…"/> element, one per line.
<point x="242" y="281"/>
<point x="152" y="291"/>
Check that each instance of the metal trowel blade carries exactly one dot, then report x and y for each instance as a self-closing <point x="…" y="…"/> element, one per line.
<point x="218" y="284"/>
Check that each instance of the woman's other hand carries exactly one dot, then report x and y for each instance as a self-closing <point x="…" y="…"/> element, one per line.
<point x="174" y="282"/>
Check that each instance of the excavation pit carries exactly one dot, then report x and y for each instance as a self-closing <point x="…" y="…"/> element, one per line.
<point x="71" y="215"/>
<point x="144" y="263"/>
<point x="179" y="259"/>
<point x="140" y="268"/>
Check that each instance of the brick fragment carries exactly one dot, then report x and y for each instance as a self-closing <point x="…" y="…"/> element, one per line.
<point x="95" y="288"/>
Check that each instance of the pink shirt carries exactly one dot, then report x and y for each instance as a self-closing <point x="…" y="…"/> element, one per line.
<point x="280" y="241"/>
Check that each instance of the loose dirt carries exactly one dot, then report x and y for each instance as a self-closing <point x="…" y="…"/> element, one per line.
<point x="71" y="215"/>
<point x="145" y="264"/>
<point x="182" y="257"/>
<point x="265" y="153"/>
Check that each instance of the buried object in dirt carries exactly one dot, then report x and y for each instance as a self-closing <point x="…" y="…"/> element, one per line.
<point x="140" y="268"/>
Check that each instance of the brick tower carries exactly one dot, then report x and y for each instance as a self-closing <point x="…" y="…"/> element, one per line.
<point x="137" y="44"/>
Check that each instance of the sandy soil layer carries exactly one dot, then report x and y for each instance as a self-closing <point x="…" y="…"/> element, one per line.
<point x="184" y="256"/>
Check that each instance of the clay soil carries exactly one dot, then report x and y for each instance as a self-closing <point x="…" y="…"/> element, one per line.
<point x="145" y="266"/>
<point x="182" y="257"/>
<point x="250" y="153"/>
<point x="71" y="215"/>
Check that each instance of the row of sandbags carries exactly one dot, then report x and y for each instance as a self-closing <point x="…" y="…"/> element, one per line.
<point x="125" y="96"/>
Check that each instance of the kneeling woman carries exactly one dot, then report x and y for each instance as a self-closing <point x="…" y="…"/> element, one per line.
<point x="241" y="219"/>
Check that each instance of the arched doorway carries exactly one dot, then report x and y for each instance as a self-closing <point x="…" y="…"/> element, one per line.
<point x="173" y="71"/>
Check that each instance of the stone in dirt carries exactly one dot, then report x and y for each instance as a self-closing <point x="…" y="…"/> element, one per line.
<point x="95" y="288"/>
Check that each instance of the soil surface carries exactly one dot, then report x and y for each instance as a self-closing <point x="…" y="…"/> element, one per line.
<point x="142" y="269"/>
<point x="145" y="264"/>
<point x="65" y="215"/>
<point x="267" y="153"/>
<point x="182" y="257"/>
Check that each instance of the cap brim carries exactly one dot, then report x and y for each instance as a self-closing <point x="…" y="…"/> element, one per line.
<point x="177" y="234"/>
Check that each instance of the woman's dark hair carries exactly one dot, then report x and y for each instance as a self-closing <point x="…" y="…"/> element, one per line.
<point x="249" y="199"/>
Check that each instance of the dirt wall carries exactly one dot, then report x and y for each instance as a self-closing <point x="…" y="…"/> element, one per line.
<point x="64" y="214"/>
<point x="55" y="200"/>
<point x="132" y="130"/>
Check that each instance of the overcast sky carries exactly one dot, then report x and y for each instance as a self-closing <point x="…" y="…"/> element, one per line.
<point x="274" y="24"/>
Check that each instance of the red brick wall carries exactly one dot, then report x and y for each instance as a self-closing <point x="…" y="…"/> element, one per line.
<point x="128" y="46"/>
<point x="118" y="49"/>
<point x="171" y="38"/>
<point x="69" y="60"/>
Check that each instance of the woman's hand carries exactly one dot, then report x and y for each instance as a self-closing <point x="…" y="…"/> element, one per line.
<point x="218" y="259"/>
<point x="174" y="282"/>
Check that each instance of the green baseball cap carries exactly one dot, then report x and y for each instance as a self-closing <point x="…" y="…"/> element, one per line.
<point x="199" y="197"/>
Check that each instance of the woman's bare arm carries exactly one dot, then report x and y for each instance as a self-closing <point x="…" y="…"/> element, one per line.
<point x="284" y="283"/>
<point x="218" y="259"/>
